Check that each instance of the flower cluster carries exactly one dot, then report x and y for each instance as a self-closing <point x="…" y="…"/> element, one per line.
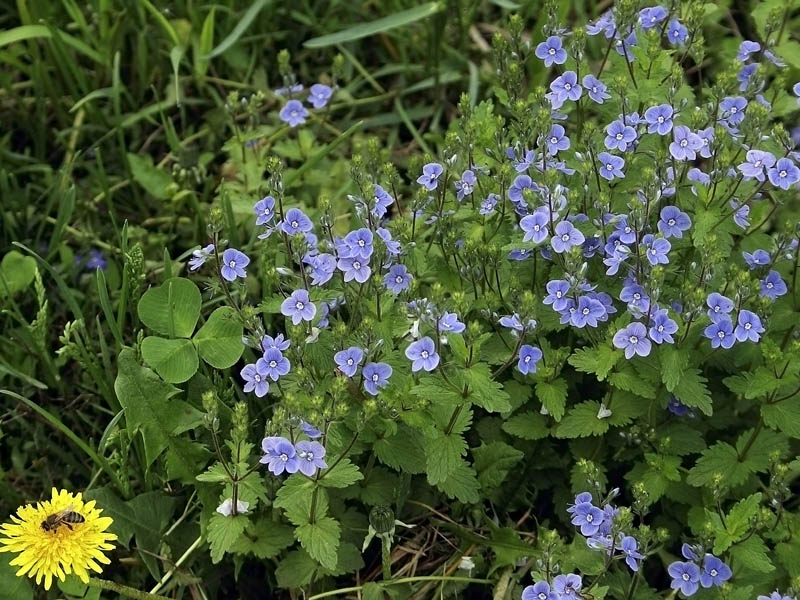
<point x="597" y="525"/>
<point x="306" y="456"/>
<point x="272" y="365"/>
<point x="293" y="112"/>
<point x="689" y="575"/>
<point x="564" y="587"/>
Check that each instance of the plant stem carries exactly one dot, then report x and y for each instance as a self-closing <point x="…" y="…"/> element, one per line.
<point x="123" y="590"/>
<point x="386" y="557"/>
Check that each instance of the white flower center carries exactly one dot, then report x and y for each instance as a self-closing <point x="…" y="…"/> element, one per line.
<point x="769" y="285"/>
<point x="356" y="265"/>
<point x="567" y="86"/>
<point x="660" y="119"/>
<point x="361" y="243"/>
<point x="619" y="136"/>
<point x="232" y="264"/>
<point x="684" y="143"/>
<point x="536" y="228"/>
<point x="671" y="222"/>
<point x="609" y="167"/>
<point x="734" y="110"/>
<point x="660" y="328"/>
<point x="782" y="173"/>
<point x="284" y="457"/>
<point x="295" y="224"/>
<point x="634" y="339"/>
<point x="551" y="51"/>
<point x="748" y="325"/>
<point x="565" y="237"/>
<point x="273" y="363"/>
<point x="558" y="294"/>
<point x="375" y="378"/>
<point x="424" y="354"/>
<point x="257" y="377"/>
<point x="554" y="140"/>
<point x="757" y="163"/>
<point x="685" y="576"/>
<point x="350" y="362"/>
<point x="720" y="334"/>
<point x="299" y="305"/>
<point x="714" y="572"/>
<point x="586" y="312"/>
<point x="398" y="279"/>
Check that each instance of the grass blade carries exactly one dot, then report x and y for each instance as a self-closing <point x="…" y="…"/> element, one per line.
<point x="240" y="28"/>
<point x="362" y="30"/>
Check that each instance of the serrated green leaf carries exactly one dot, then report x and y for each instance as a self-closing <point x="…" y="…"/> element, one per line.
<point x="629" y="381"/>
<point x="321" y="540"/>
<point x="720" y="460"/>
<point x="443" y="456"/>
<point x="223" y="532"/>
<point x="783" y="416"/>
<point x="404" y="451"/>
<point x="528" y="426"/>
<point x="296" y="570"/>
<point x="673" y="363"/>
<point x="435" y="389"/>
<point x="461" y="484"/>
<point x="582" y="421"/>
<point x="344" y="474"/>
<point x="598" y="360"/>
<point x="553" y="396"/>
<point x="693" y="392"/>
<point x="753" y="554"/>
<point x="484" y="391"/>
<point x="264" y="539"/>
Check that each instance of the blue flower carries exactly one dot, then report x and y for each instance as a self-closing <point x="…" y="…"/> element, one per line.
<point x="685" y="143"/>
<point x="744" y="76"/>
<point x="310" y="430"/>
<point x="685" y="577"/>
<point x="279" y="455"/>
<point x="539" y="591"/>
<point x="200" y="256"/>
<point x="422" y="355"/>
<point x="299" y="307"/>
<point x="319" y="94"/>
<point x="679" y="409"/>
<point x="274" y="364"/>
<point x="623" y="231"/>
<point x="535" y="227"/>
<point x="557" y="291"/>
<point x="588" y="517"/>
<point x="488" y="205"/>
<point x="595" y="88"/>
<point x="556" y="140"/>
<point x="310" y="457"/>
<point x="677" y="33"/>
<point x="757" y="258"/>
<point x="629" y="548"/>
<point x="656" y="249"/>
<point x="348" y="360"/>
<point x="278" y="342"/>
<point x="376" y="376"/>
<point x="720" y="333"/>
<point x="635" y="296"/>
<point x="566" y="237"/>
<point x="614" y="260"/>
<point x="256" y="380"/>
<point x="633" y="340"/>
<point x="784" y="174"/>
<point x="610" y="166"/>
<point x="588" y="312"/>
<point x="659" y="119"/>
<point x="566" y="87"/>
<point x="650" y="17"/>
<point x="295" y="222"/>
<point x="264" y="210"/>
<point x="662" y="327"/>
<point x="673" y="222"/>
<point x="397" y="279"/>
<point x="733" y="108"/>
<point x="354" y="268"/>
<point x="523" y="163"/>
<point x="430" y="176"/>
<point x="358" y="244"/>
<point x="796" y="90"/>
<point x="773" y="286"/>
<point x="233" y="264"/>
<point x="740" y="217"/>
<point x="746" y="48"/>
<point x="293" y="113"/>
<point x="392" y="246"/>
<point x="465" y="185"/>
<point x="715" y="572"/>
<point x="605" y="25"/>
<point x="514" y="323"/>
<point x="551" y="51"/>
<point x="620" y="136"/>
<point x="382" y="200"/>
<point x="706" y="137"/>
<point x="521" y="182"/>
<point x="528" y="357"/>
<point x="449" y="323"/>
<point x="567" y="587"/>
<point x="719" y="306"/>
<point x="755" y="165"/>
<point x="322" y="267"/>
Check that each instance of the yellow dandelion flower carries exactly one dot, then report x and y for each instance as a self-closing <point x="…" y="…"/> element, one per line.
<point x="57" y="546"/>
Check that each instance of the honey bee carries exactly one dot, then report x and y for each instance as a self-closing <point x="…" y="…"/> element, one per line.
<point x="66" y="517"/>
